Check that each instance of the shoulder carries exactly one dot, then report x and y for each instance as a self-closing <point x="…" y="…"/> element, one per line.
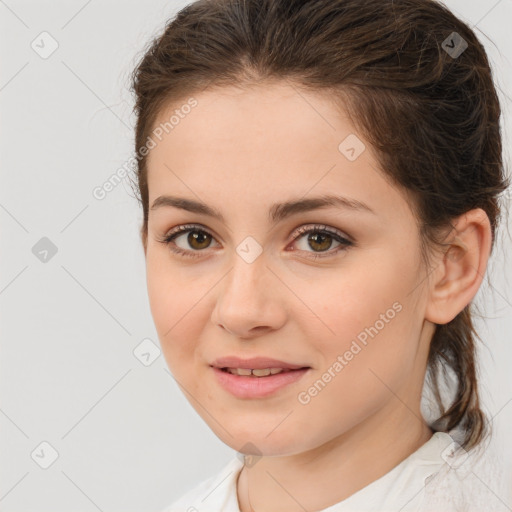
<point x="213" y="494"/>
<point x="468" y="481"/>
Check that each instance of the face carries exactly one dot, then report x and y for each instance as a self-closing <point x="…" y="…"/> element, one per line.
<point x="334" y="289"/>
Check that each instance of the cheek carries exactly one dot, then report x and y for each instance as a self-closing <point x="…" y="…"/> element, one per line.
<point x="170" y="289"/>
<point x="345" y="302"/>
<point x="368" y="316"/>
<point x="359" y="368"/>
<point x="175" y="306"/>
<point x="162" y="292"/>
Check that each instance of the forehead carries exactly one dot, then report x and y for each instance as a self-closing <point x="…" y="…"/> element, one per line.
<point x="265" y="143"/>
<point x="282" y="115"/>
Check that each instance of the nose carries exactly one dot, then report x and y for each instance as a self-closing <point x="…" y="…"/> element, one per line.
<point x="249" y="300"/>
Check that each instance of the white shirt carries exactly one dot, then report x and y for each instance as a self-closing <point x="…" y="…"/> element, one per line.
<point x="438" y="477"/>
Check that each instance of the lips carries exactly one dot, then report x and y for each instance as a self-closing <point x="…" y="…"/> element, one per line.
<point x="253" y="387"/>
<point x="256" y="377"/>
<point x="254" y="363"/>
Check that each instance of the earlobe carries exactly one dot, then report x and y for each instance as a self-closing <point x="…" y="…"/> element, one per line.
<point x="461" y="268"/>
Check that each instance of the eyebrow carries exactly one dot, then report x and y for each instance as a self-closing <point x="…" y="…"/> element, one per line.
<point x="277" y="212"/>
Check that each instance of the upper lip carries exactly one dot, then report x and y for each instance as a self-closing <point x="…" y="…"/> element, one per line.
<point x="254" y="363"/>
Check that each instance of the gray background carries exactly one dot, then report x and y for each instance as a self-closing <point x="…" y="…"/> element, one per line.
<point x="126" y="437"/>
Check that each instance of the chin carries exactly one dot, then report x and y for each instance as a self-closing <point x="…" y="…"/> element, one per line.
<point x="257" y="441"/>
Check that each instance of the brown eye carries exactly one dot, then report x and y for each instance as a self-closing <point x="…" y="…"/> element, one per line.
<point x="194" y="238"/>
<point x="320" y="240"/>
<point x="198" y="239"/>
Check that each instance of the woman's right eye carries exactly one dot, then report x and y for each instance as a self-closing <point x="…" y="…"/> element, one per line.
<point x="196" y="237"/>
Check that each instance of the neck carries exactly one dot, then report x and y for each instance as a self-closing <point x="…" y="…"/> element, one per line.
<point x="332" y="472"/>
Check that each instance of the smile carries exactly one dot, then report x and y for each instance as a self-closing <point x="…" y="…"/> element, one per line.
<point x="256" y="372"/>
<point x="257" y="383"/>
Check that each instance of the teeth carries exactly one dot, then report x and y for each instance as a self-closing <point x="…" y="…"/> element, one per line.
<point x="240" y="371"/>
<point x="263" y="372"/>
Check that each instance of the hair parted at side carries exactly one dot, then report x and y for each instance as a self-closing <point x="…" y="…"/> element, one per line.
<point x="432" y="119"/>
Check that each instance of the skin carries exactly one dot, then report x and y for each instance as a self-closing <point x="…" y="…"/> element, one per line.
<point x="240" y="151"/>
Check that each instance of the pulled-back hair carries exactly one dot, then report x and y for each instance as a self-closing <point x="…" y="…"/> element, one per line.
<point x="432" y="116"/>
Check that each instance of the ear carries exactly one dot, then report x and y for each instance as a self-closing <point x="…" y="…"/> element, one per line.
<point x="461" y="267"/>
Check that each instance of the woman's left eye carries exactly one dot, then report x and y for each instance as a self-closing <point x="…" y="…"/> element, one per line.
<point x="319" y="237"/>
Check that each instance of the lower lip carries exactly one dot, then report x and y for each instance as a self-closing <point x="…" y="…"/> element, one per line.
<point x="257" y="387"/>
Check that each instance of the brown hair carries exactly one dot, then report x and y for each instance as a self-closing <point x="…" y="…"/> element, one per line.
<point x="431" y="116"/>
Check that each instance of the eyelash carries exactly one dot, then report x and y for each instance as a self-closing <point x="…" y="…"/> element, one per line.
<point x="304" y="230"/>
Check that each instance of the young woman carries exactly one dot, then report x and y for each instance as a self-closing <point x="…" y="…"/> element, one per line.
<point x="320" y="185"/>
